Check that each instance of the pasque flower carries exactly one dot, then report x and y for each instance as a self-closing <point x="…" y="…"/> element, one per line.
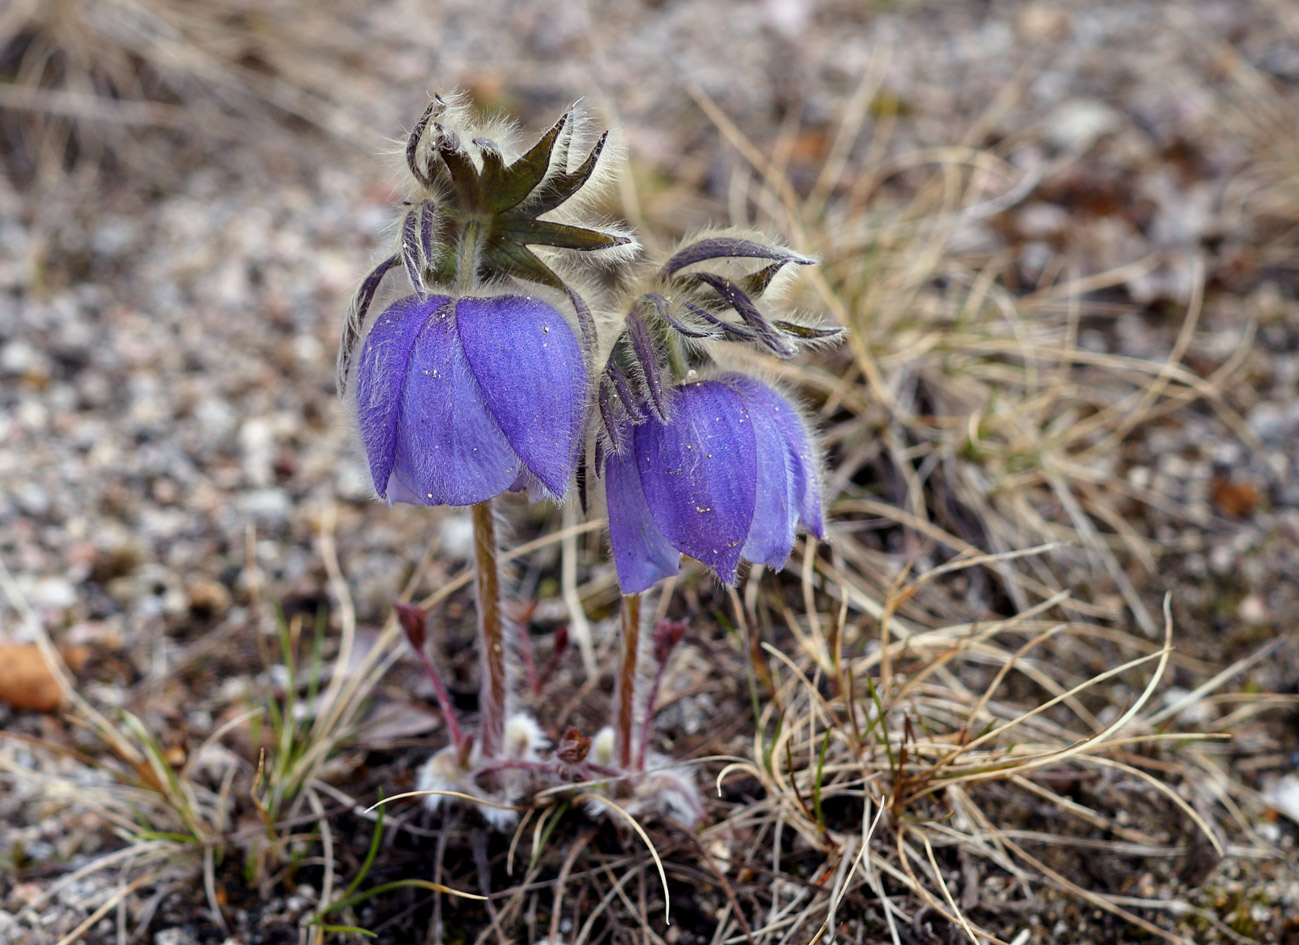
<point x="714" y="465"/>
<point x="471" y="382"/>
<point x="458" y="400"/>
<point x="475" y="383"/>
<point x="729" y="475"/>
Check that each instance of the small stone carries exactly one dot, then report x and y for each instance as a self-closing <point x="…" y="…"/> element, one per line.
<point x="457" y="536"/>
<point x="27" y="893"/>
<point x="1078" y="124"/>
<point x="1268" y="421"/>
<point x="267" y="505"/>
<point x="56" y="593"/>
<point x="33" y="499"/>
<point x="1040" y="220"/>
<point x="1252" y="609"/>
<point x="23" y="360"/>
<point x="208" y="598"/>
<point x="1042" y="22"/>
<point x="1222" y="559"/>
<point x="174" y="936"/>
<point x="257" y="442"/>
<point x="1233" y="498"/>
<point x="1193" y="712"/>
<point x="1283" y="796"/>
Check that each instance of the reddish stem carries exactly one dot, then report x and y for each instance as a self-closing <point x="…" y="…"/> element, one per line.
<point x="625" y="685"/>
<point x="412" y="620"/>
<point x="491" y="633"/>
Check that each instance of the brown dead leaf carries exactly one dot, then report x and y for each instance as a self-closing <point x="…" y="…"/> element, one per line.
<point x="1237" y="499"/>
<point x="26" y="682"/>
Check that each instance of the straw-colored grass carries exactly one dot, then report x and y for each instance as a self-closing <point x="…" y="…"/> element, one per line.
<point x="943" y="715"/>
<point x="80" y="79"/>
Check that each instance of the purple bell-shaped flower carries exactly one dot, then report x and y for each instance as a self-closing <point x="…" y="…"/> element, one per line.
<point x="729" y="475"/>
<point x="475" y="384"/>
<point x="459" y="400"/>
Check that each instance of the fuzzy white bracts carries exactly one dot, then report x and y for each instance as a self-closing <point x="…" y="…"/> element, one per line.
<point x="660" y="791"/>
<point x="509" y="776"/>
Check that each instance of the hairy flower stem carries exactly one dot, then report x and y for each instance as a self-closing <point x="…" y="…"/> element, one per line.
<point x="467" y="259"/>
<point x="491" y="633"/>
<point x="625" y="686"/>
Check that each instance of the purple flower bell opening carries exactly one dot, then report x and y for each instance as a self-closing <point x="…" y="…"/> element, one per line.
<point x="729" y="475"/>
<point x="459" y="400"/>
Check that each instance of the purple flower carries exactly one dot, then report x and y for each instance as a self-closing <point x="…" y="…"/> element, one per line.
<point x="459" y="400"/>
<point x="729" y="475"/>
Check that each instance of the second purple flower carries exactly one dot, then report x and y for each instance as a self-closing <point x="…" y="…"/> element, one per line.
<point x="729" y="476"/>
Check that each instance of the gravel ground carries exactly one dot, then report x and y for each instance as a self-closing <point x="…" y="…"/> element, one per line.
<point x="170" y="443"/>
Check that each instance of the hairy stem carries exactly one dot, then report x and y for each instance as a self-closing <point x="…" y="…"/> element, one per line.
<point x="491" y="633"/>
<point x="625" y="686"/>
<point x="467" y="259"/>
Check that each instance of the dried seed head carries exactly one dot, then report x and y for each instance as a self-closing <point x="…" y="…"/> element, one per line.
<point x="573" y="747"/>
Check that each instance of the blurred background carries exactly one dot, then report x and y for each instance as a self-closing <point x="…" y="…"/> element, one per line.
<point x="193" y="190"/>
<point x="1063" y="234"/>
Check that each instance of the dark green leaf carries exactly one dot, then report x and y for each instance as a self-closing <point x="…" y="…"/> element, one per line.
<point x="564" y="185"/>
<point x="559" y="235"/>
<point x="522" y="177"/>
<point x="807" y="331"/>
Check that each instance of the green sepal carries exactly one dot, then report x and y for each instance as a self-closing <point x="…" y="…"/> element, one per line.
<point x="565" y="184"/>
<point x="510" y="186"/>
<point x="559" y="235"/>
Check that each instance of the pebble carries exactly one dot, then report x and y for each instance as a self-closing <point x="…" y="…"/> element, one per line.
<point x="1222" y="560"/>
<point x="1039" y="220"/>
<point x="54" y="592"/>
<point x="1078" y="124"/>
<point x="268" y="506"/>
<point x="178" y="935"/>
<point x="1283" y="796"/>
<point x="22" y="359"/>
<point x="1253" y="609"/>
<point x="208" y="597"/>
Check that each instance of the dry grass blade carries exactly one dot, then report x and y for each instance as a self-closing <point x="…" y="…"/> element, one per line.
<point x="605" y="803"/>
<point x="81" y="76"/>
<point x="975" y="410"/>
<point x="933" y="742"/>
<point x="468" y="798"/>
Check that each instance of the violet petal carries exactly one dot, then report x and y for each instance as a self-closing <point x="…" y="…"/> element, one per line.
<point x="642" y="553"/>
<point x="379" y="377"/>
<point x="699" y="473"/>
<point x="804" y="465"/>
<point x="775" y="512"/>
<point x="449" y="449"/>
<point x="529" y="367"/>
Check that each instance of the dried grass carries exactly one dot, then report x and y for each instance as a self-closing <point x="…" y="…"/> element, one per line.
<point x="959" y="702"/>
<point x="969" y="418"/>
<point x="80" y="79"/>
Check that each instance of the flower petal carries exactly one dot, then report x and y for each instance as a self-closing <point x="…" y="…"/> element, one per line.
<point x="699" y="473"/>
<point x="642" y="553"/>
<point x="449" y="449"/>
<point x="775" y="512"/>
<point x="380" y="372"/>
<point x="529" y="367"/>
<point x="804" y="465"/>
